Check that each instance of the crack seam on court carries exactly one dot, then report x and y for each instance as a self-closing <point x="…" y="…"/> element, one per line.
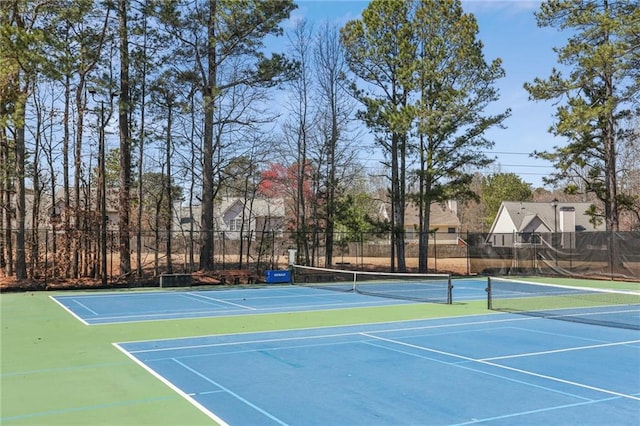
<point x="224" y="302"/>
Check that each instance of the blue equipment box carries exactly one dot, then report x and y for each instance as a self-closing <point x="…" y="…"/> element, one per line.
<point x="278" y="276"/>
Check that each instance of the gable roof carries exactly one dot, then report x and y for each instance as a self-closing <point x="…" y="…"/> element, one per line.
<point x="523" y="214"/>
<point x="440" y="215"/>
<point x="259" y="207"/>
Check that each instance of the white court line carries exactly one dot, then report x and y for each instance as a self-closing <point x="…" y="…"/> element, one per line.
<point x="230" y="392"/>
<point x="217" y="300"/>
<point x="555" y="351"/>
<point x="180" y="315"/>
<point x="172" y="386"/>
<point x="285" y="339"/>
<point x="560" y="335"/>
<point x="248" y="342"/>
<point x="477" y="370"/>
<point x="158" y="316"/>
<point x="524" y="413"/>
<point x="322" y="336"/>
<point x="518" y="370"/>
<point x="77" y="302"/>
<point x="73" y="314"/>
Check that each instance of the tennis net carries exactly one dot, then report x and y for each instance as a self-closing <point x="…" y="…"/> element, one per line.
<point x="435" y="288"/>
<point x="612" y="308"/>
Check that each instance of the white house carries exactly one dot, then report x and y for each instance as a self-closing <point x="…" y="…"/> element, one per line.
<point x="234" y="214"/>
<point x="525" y="223"/>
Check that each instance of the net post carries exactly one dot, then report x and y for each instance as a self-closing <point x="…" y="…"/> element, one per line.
<point x="488" y="290"/>
<point x="449" y="290"/>
<point x="292" y="261"/>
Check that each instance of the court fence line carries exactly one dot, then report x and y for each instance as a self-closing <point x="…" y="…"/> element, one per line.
<point x="51" y="254"/>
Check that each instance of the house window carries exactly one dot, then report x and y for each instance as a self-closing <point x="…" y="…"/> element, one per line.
<point x="503" y="239"/>
<point x="530" y="238"/>
<point x="451" y="230"/>
<point x="235" y="225"/>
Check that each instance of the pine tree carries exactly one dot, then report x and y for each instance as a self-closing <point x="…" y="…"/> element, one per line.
<point x="433" y="86"/>
<point x="599" y="90"/>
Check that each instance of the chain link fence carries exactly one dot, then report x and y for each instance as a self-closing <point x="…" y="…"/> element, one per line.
<point x="59" y="255"/>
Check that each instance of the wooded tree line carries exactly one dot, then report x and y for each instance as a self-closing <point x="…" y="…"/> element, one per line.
<point x="204" y="102"/>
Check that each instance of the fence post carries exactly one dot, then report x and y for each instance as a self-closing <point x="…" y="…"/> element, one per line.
<point x="46" y="255"/>
<point x="435" y="252"/>
<point x="468" y="255"/>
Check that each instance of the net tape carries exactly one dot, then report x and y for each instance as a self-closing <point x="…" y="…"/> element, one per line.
<point x="435" y="288"/>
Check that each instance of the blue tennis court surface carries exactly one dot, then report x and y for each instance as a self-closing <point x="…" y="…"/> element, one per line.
<point x="119" y="307"/>
<point x="499" y="369"/>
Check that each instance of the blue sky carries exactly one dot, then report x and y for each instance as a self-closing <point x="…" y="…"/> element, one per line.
<point x="508" y="31"/>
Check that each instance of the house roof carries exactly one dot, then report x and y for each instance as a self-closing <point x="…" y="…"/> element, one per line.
<point x="523" y="213"/>
<point x="111" y="196"/>
<point x="260" y="207"/>
<point x="439" y="216"/>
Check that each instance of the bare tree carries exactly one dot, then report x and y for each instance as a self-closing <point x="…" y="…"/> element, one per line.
<point x="334" y="114"/>
<point x="297" y="129"/>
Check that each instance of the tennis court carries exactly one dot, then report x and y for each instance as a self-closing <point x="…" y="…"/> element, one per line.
<point x="119" y="307"/>
<point x="298" y="355"/>
<point x="495" y="369"/>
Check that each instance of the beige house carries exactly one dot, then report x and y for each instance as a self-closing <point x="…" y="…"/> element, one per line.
<point x="55" y="214"/>
<point x="444" y="224"/>
<point x="51" y="211"/>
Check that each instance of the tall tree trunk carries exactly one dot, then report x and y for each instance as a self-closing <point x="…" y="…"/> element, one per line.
<point x="331" y="178"/>
<point x="168" y="189"/>
<point x="611" y="184"/>
<point x="398" y="199"/>
<point x="66" y="185"/>
<point x="77" y="174"/>
<point x="424" y="211"/>
<point x="7" y="216"/>
<point x="34" y="252"/>
<point x="125" y="143"/>
<point x="209" y="89"/>
<point x="141" y="140"/>
<point x="21" y="262"/>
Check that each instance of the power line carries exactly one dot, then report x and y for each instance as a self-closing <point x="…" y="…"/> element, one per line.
<point x="507" y="153"/>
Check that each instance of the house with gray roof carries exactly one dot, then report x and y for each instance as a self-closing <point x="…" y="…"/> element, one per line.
<point x="524" y="223"/>
<point x="235" y="216"/>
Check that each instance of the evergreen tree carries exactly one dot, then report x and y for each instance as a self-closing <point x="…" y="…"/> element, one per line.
<point x="433" y="86"/>
<point x="380" y="52"/>
<point x="454" y="86"/>
<point x="599" y="89"/>
<point x="501" y="187"/>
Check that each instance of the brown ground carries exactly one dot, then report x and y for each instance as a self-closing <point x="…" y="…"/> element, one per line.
<point x="456" y="266"/>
